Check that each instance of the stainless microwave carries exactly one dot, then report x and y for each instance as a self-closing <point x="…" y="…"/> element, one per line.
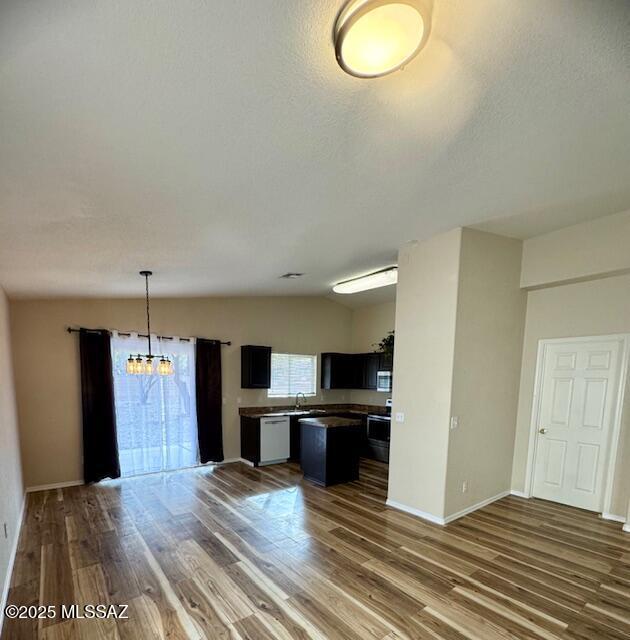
<point x="384" y="381"/>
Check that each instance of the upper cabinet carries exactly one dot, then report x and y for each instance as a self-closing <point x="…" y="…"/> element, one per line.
<point x="255" y="367"/>
<point x="336" y="371"/>
<point x="370" y="366"/>
<point x="352" y="370"/>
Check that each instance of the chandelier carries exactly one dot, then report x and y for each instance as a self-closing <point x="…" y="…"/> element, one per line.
<point x="142" y="364"/>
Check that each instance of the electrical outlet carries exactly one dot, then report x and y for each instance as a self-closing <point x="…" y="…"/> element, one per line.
<point x="400" y="416"/>
<point x="454" y="422"/>
<point x="465" y="486"/>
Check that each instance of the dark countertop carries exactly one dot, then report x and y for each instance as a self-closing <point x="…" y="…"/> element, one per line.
<point x="313" y="410"/>
<point x="330" y="422"/>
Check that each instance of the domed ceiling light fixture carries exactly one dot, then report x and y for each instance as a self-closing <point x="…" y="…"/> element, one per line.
<point x="142" y="364"/>
<point x="376" y="37"/>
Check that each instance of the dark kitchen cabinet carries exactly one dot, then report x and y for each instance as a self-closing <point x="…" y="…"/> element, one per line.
<point x="330" y="449"/>
<point x="337" y="371"/>
<point x="255" y="367"/>
<point x="350" y="370"/>
<point x="250" y="439"/>
<point x="295" y="438"/>
<point x="371" y="366"/>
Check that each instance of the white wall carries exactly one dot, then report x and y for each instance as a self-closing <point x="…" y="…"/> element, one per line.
<point x="426" y="306"/>
<point x="11" y="489"/>
<point x="487" y="366"/>
<point x="459" y="328"/>
<point x="583" y="251"/>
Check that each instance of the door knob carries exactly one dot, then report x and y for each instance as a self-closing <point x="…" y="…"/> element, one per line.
<point x="542" y="430"/>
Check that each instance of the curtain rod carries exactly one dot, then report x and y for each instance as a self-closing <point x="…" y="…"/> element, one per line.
<point x="144" y="335"/>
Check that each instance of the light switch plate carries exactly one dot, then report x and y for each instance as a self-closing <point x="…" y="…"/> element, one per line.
<point x="454" y="422"/>
<point x="400" y="416"/>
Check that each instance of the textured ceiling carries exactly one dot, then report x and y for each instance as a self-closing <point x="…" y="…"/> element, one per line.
<point x="218" y="143"/>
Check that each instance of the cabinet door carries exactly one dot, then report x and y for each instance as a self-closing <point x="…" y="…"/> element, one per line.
<point x="326" y="371"/>
<point x="255" y="367"/>
<point x="370" y="369"/>
<point x="335" y="371"/>
<point x="295" y="437"/>
<point x="342" y="371"/>
<point x="356" y="371"/>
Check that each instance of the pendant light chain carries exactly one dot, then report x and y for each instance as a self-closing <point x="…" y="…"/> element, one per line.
<point x="146" y="287"/>
<point x="143" y="365"/>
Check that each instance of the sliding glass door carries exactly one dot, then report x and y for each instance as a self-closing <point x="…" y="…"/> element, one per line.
<point x="156" y="419"/>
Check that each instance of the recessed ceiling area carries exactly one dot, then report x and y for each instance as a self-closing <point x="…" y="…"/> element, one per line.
<point x="221" y="145"/>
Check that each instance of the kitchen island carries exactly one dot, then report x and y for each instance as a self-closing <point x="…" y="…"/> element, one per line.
<point x="330" y="448"/>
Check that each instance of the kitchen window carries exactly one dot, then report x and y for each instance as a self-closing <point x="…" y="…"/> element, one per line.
<point x="292" y="373"/>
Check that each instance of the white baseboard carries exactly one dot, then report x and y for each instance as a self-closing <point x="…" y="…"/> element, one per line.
<point x="604" y="516"/>
<point x="613" y="517"/>
<point x="474" y="507"/>
<point x="442" y="521"/>
<point x="626" y="527"/>
<point x="54" y="485"/>
<point x="11" y="563"/>
<point x="247" y="462"/>
<point x="415" y="512"/>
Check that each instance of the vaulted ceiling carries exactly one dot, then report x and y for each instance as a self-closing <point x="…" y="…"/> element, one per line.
<point x="218" y="143"/>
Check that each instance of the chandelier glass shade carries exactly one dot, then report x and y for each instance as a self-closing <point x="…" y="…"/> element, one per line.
<point x="143" y="364"/>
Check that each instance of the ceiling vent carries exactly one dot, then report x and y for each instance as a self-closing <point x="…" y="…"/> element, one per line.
<point x="291" y="275"/>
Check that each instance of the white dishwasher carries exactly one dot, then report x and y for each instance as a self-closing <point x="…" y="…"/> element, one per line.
<point x="274" y="439"/>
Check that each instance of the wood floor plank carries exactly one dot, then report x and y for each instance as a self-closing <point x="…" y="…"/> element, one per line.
<point x="26" y="594"/>
<point x="56" y="583"/>
<point x="237" y="553"/>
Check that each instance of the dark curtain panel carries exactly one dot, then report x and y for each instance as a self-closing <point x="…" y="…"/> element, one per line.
<point x="100" y="449"/>
<point x="209" y="400"/>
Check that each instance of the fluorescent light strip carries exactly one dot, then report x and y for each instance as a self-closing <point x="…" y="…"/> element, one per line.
<point x="372" y="281"/>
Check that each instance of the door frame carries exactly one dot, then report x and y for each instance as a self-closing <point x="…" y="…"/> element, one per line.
<point x="611" y="458"/>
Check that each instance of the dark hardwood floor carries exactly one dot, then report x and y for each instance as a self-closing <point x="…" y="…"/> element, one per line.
<point x="236" y="552"/>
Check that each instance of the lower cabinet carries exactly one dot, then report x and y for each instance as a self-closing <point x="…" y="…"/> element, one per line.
<point x="295" y="438"/>
<point x="330" y="455"/>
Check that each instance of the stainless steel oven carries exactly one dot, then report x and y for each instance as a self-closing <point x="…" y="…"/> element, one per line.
<point x="378" y="433"/>
<point x="384" y="381"/>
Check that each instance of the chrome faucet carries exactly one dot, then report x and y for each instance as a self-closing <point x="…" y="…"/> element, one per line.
<point x="297" y="399"/>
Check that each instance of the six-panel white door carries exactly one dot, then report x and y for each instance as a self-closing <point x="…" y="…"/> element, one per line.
<point x="580" y="382"/>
